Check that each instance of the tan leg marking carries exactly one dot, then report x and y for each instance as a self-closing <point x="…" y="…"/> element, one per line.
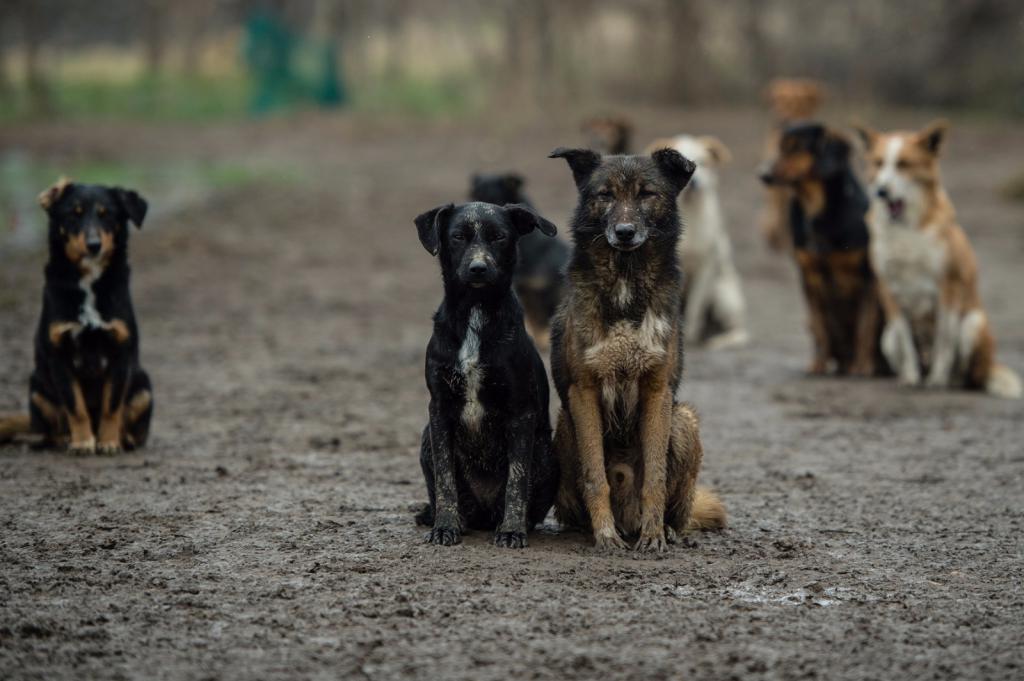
<point x="654" y="436"/>
<point x="584" y="405"/>
<point x="82" y="439"/>
<point x="58" y="329"/>
<point x="111" y="422"/>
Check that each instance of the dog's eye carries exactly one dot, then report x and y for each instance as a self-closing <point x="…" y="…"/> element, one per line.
<point x="499" y="237"/>
<point x="78" y="210"/>
<point x="101" y="211"/>
<point x="902" y="164"/>
<point x="458" y="236"/>
<point x="604" y="194"/>
<point x="645" y="194"/>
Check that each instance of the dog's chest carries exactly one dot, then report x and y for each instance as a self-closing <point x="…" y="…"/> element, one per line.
<point x="88" y="316"/>
<point x="911" y="263"/>
<point x="472" y="371"/>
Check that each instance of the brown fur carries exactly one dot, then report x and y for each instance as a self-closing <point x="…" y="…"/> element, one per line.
<point x="790" y="99"/>
<point x="957" y="279"/>
<point x="609" y="134"/>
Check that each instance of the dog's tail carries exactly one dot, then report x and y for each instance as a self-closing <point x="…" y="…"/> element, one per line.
<point x="708" y="511"/>
<point x="1004" y="382"/>
<point x="12" y="425"/>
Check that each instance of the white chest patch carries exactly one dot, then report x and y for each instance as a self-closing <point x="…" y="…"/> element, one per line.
<point x="622" y="293"/>
<point x="471" y="369"/>
<point x="88" y="315"/>
<point x="911" y="262"/>
<point x="627" y="351"/>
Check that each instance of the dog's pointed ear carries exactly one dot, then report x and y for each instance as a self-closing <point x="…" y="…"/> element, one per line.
<point x="933" y="135"/>
<point x="674" y="166"/>
<point x="133" y="204"/>
<point x="867" y="135"/>
<point x="514" y="182"/>
<point x="719" y="153"/>
<point x="430" y="224"/>
<point x="583" y="162"/>
<point x="50" y="196"/>
<point x="525" y="220"/>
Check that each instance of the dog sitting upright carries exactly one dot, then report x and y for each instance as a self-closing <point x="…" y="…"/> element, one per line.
<point x="486" y="452"/>
<point x="629" y="454"/>
<point x="540" y="268"/>
<point x="88" y="389"/>
<point x="830" y="241"/>
<point x="714" y="307"/>
<point x="936" y="327"/>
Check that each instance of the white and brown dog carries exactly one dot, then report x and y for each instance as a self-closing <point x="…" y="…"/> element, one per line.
<point x="936" y="329"/>
<point x="715" y="309"/>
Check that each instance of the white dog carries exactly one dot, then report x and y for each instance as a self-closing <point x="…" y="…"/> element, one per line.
<point x="715" y="307"/>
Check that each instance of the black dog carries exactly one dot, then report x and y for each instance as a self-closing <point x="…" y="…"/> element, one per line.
<point x="486" y="452"/>
<point x="540" y="274"/>
<point x="830" y="242"/>
<point x="88" y="389"/>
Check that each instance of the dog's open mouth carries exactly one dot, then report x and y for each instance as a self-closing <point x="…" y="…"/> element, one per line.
<point x="896" y="209"/>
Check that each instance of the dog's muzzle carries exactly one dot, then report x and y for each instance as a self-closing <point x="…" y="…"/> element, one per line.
<point x="625" y="236"/>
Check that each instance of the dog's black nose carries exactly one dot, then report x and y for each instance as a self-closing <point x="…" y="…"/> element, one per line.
<point x="94" y="247"/>
<point x="766" y="177"/>
<point x="477" y="267"/>
<point x="625" y="231"/>
<point x="883" y="193"/>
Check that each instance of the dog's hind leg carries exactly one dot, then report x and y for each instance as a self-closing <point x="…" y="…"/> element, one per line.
<point x="570" y="509"/>
<point x="543" y="482"/>
<point x="426" y="514"/>
<point x="730" y="310"/>
<point x="45" y="417"/>
<point x="698" y="298"/>
<point x="689" y="507"/>
<point x="138" y="410"/>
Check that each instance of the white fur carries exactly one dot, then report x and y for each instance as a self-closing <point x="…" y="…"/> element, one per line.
<point x="622" y="293"/>
<point x="898" y="347"/>
<point x="705" y="254"/>
<point x="88" y="315"/>
<point x="472" y="371"/>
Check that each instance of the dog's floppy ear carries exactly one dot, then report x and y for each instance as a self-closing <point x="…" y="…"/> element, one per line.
<point x="134" y="206"/>
<point x="583" y="162"/>
<point x="833" y="153"/>
<point x="674" y="166"/>
<point x="719" y="153"/>
<point x="932" y="136"/>
<point x="49" y="197"/>
<point x="867" y="135"/>
<point x="526" y="220"/>
<point x="430" y="224"/>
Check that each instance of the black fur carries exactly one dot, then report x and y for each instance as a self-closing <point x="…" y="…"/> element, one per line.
<point x="90" y="354"/>
<point x="495" y="472"/>
<point x="540" y="271"/>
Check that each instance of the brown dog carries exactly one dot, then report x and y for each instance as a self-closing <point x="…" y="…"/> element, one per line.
<point x="791" y="100"/>
<point x="936" y="326"/>
<point x="629" y="454"/>
<point x="830" y="242"/>
<point x="609" y="134"/>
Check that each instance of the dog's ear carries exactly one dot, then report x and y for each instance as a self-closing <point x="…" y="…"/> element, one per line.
<point x="49" y="197"/>
<point x="674" y="166"/>
<point x="583" y="162"/>
<point x="134" y="206"/>
<point x="513" y="182"/>
<point x="429" y="226"/>
<point x="933" y="135"/>
<point x="526" y="220"/>
<point x="719" y="153"/>
<point x="833" y="153"/>
<point x="867" y="135"/>
<point x="660" y="143"/>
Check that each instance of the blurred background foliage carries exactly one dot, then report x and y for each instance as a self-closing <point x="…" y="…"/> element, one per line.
<point x="200" y="60"/>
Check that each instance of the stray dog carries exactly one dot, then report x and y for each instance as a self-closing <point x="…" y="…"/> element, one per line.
<point x="609" y="134"/>
<point x="830" y="241"/>
<point x="791" y="100"/>
<point x="541" y="267"/>
<point x="629" y="454"/>
<point x="935" y="326"/>
<point x="486" y="452"/>
<point x="88" y="390"/>
<point x="714" y="308"/>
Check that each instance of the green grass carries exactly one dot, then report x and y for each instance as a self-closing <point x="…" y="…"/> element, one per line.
<point x="448" y="96"/>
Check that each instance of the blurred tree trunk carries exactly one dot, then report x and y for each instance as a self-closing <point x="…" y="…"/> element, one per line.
<point x="155" y="35"/>
<point x="686" y="64"/>
<point x="35" y="23"/>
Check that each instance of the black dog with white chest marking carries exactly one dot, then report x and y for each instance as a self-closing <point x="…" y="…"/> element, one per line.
<point x="486" y="452"/>
<point x="88" y="390"/>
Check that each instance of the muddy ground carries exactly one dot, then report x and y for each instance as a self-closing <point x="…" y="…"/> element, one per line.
<point x="266" y="531"/>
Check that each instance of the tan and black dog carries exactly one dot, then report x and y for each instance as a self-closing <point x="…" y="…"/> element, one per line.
<point x="628" y="452"/>
<point x="791" y="100"/>
<point x="609" y="134"/>
<point x="936" y="328"/>
<point x="830" y="243"/>
<point x="88" y="390"/>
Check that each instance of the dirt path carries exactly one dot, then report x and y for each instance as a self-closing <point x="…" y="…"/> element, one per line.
<point x="266" y="532"/>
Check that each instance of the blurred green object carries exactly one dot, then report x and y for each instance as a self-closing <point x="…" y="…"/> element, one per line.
<point x="275" y="56"/>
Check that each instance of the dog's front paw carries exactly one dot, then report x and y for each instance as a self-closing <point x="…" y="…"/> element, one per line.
<point x="671" y="536"/>
<point x="510" y="540"/>
<point x="82" y="447"/>
<point x="608" y="539"/>
<point x="817" y="367"/>
<point x="910" y="379"/>
<point x="444" y="535"/>
<point x="654" y="541"/>
<point x="108" y="448"/>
